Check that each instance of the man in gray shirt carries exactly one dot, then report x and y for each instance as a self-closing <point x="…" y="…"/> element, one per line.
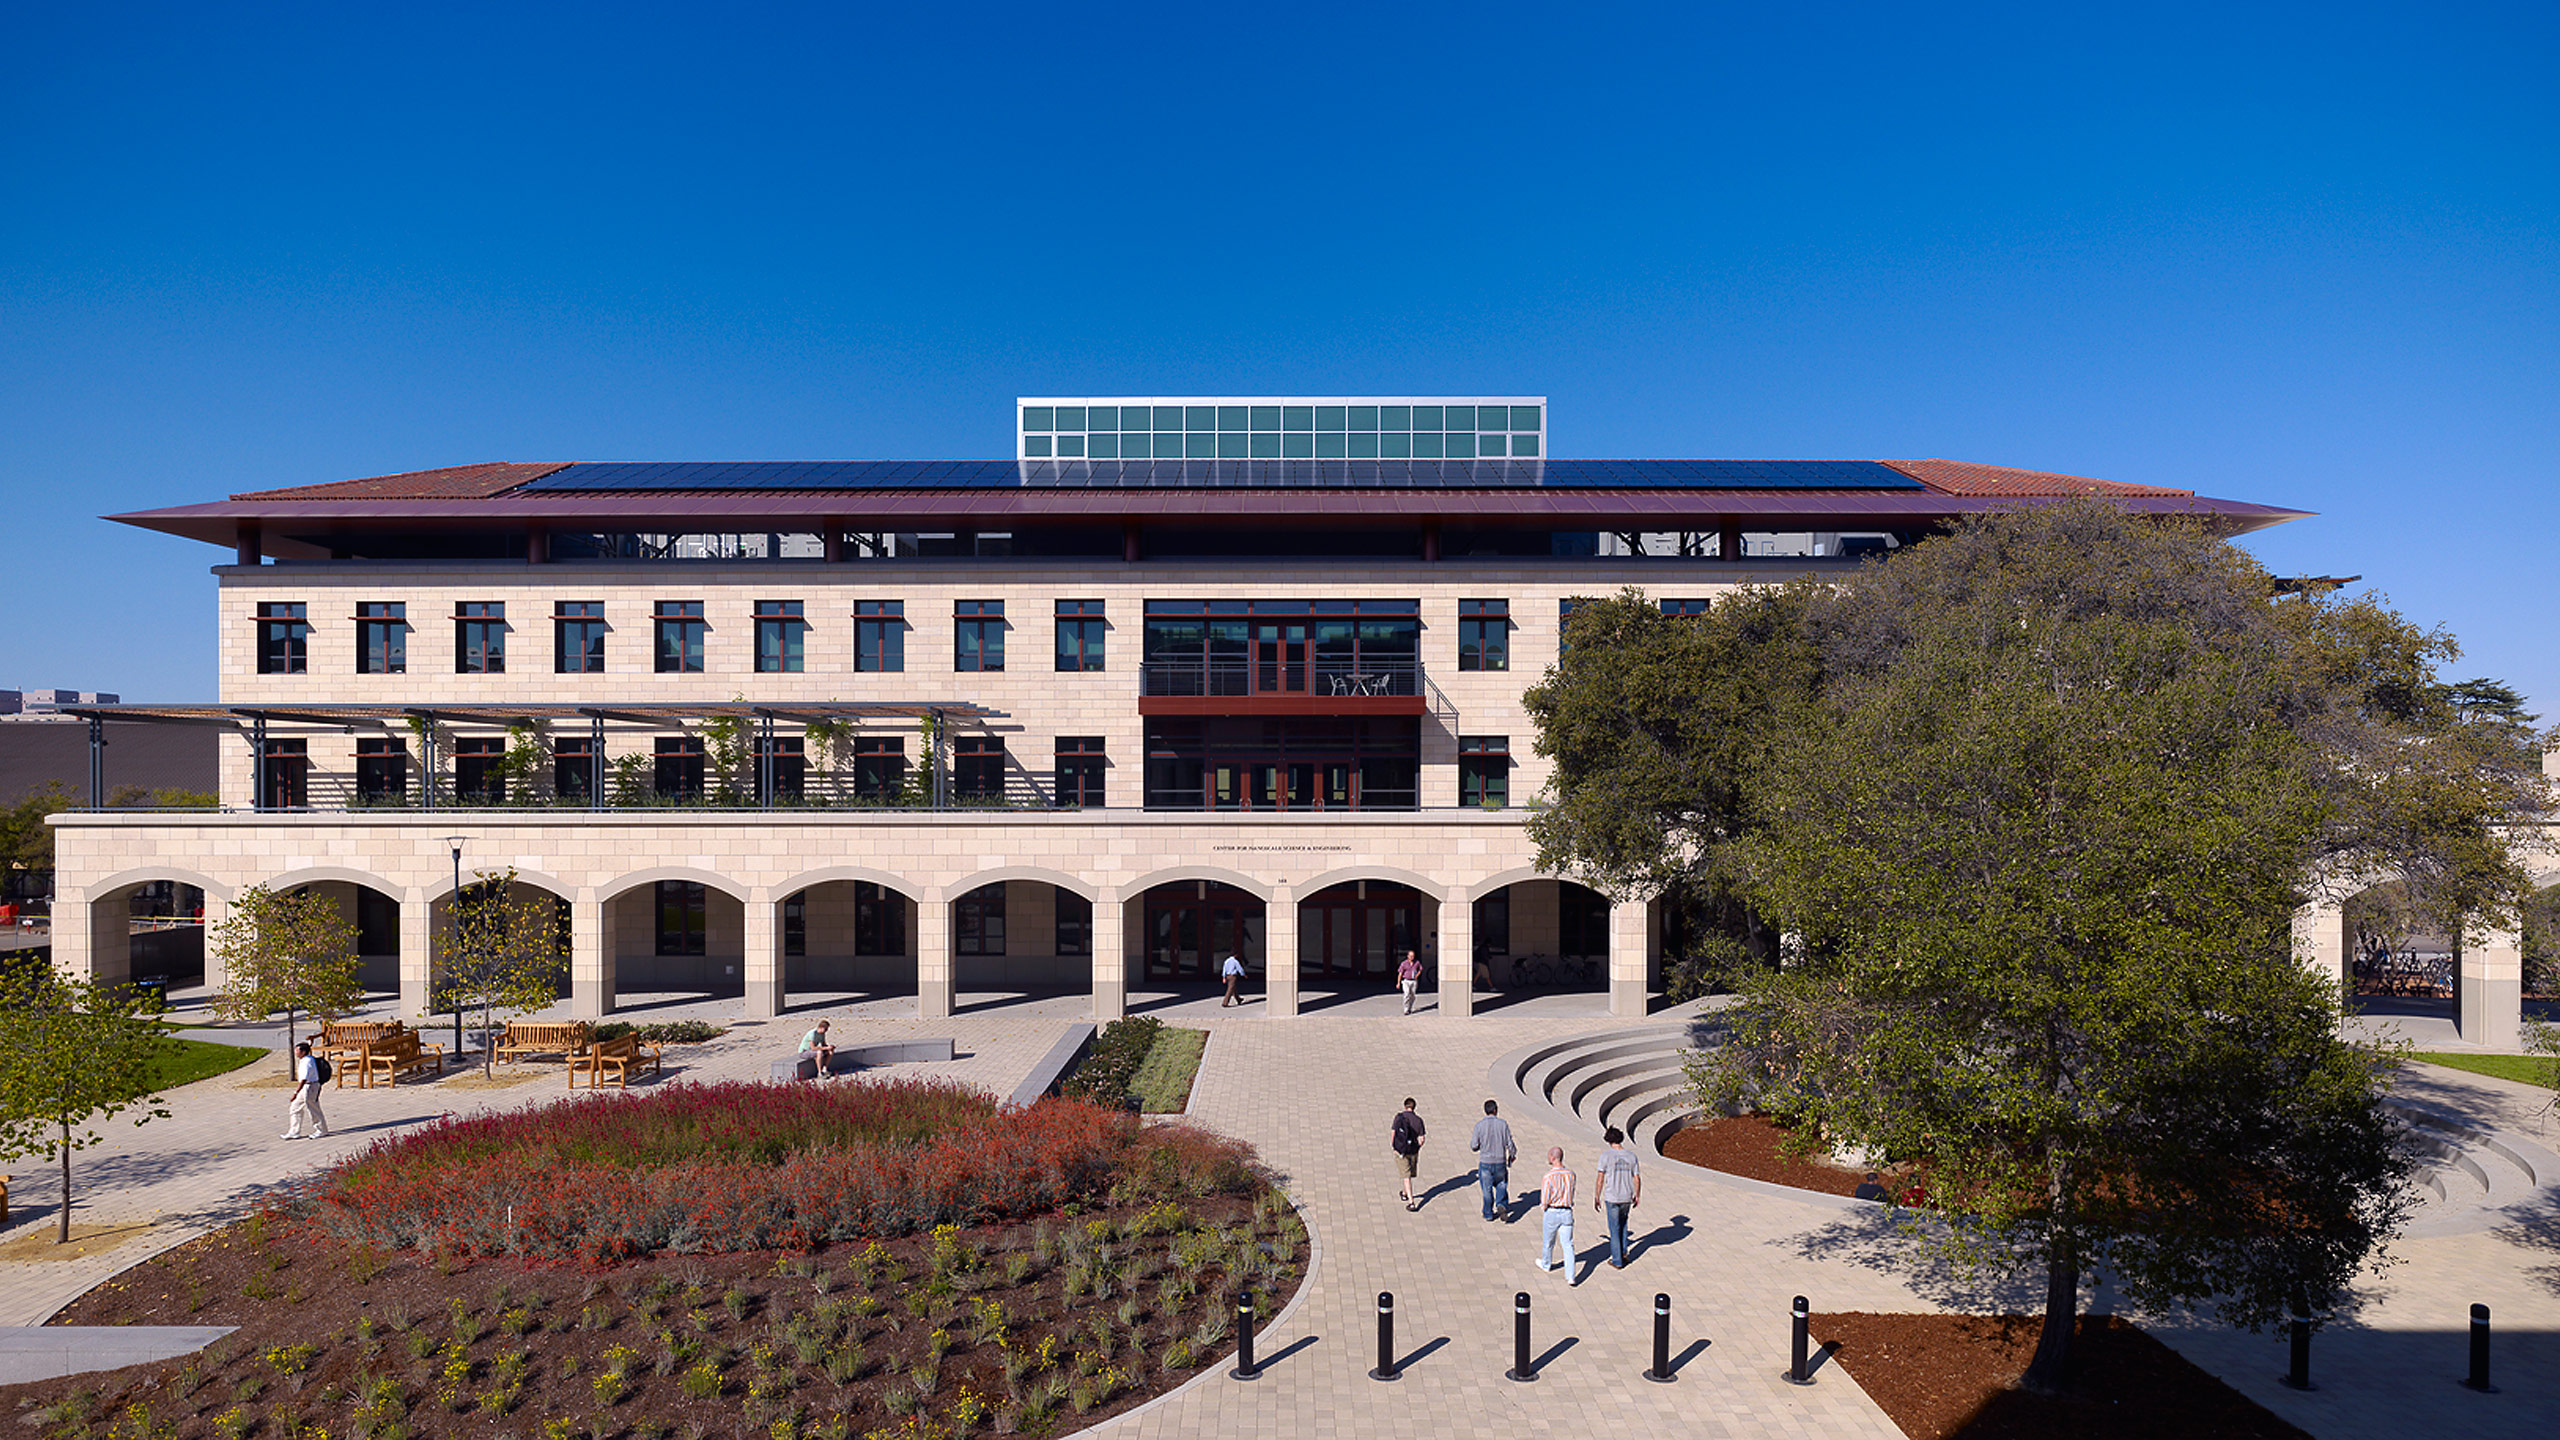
<point x="1617" y="1192"/>
<point x="1494" y="1154"/>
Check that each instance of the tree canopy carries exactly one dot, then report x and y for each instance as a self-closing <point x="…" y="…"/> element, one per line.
<point x="69" y="1055"/>
<point x="289" y="953"/>
<point x="503" y="953"/>
<point x="2036" y="802"/>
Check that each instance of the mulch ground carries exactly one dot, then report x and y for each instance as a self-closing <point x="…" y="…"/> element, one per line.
<point x="403" y="1346"/>
<point x="1749" y="1146"/>
<point x="1946" y="1376"/>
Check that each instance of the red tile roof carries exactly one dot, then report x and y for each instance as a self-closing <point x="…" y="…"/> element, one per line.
<point x="453" y="482"/>
<point x="1964" y="477"/>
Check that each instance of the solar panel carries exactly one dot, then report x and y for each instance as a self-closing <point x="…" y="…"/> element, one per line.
<point x="774" y="475"/>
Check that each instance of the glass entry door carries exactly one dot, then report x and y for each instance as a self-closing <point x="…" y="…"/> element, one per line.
<point x="1280" y="659"/>
<point x="1343" y="934"/>
<point x="1191" y="933"/>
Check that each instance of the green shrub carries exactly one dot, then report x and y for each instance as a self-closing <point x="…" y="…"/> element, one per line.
<point x="1114" y="1060"/>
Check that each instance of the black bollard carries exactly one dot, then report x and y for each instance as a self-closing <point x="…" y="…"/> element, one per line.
<point x="1520" y="1340"/>
<point x="1798" y="1373"/>
<point x="2480" y="1351"/>
<point x="1661" y="1370"/>
<point x="1386" y="1338"/>
<point x="2298" y="1376"/>
<point x="1245" y="1368"/>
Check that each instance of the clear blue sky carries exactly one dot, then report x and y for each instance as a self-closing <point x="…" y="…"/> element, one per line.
<point x="2302" y="254"/>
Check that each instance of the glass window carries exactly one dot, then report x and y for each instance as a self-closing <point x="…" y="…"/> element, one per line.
<point x="1070" y="447"/>
<point x="1035" y="447"/>
<point x="1488" y="445"/>
<point x="1426" y="417"/>
<point x="1200" y="447"/>
<point x="1231" y="447"/>
<point x="1080" y="630"/>
<point x="1102" y="447"/>
<point x="1266" y="417"/>
<point x="790" y="770"/>
<point x="1079" y="774"/>
<point x="795" y="923"/>
<point x="880" y="635"/>
<point x="284" y="631"/>
<point x="1266" y="447"/>
<point x="1395" y="445"/>
<point x="978" y="635"/>
<point x="1329" y="417"/>
<point x="684" y="913"/>
<point x="1102" y="417"/>
<point x="1364" y="447"/>
<point x="1462" y="446"/>
<point x="382" y="771"/>
<point x="1328" y="447"/>
<point x="1297" y="447"/>
<point x="1070" y="417"/>
<point x="1038" y="417"/>
<point x="879" y="767"/>
<point x="382" y="637"/>
<point x="1493" y="924"/>
<point x="1231" y="417"/>
<point x="1524" y="445"/>
<point x="1133" y="417"/>
<point x="1297" y="417"/>
<point x="1364" y="417"/>
<point x="1426" y="446"/>
<point x="1493" y="417"/>
<point x="1458" y="417"/>
<point x="1075" y="923"/>
<point x="1484" y="770"/>
<point x="1524" y="417"/>
<point x="977" y="768"/>
<point x="1685" y="607"/>
<point x="1484" y="634"/>
<point x="479" y="637"/>
<point x="577" y="634"/>
<point x="679" y="768"/>
<point x="680" y="632"/>
<point x="1200" y="417"/>
<point x="1168" y="417"/>
<point x="1396" y="417"/>
<point x="780" y="649"/>
<point x="573" y="768"/>
<point x="479" y="770"/>
<point x="879" y="920"/>
<point x="287" y="764"/>
<point x="977" y="920"/>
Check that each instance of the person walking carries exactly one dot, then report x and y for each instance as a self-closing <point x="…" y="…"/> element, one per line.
<point x="1615" y="1191"/>
<point x="1494" y="1154"/>
<point x="1233" y="973"/>
<point x="1405" y="1138"/>
<point x="818" y="1047"/>
<point x="1556" y="1196"/>
<point x="1409" y="978"/>
<point x="309" y="1074"/>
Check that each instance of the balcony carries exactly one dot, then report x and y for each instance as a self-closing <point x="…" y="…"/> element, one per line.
<point x="1281" y="684"/>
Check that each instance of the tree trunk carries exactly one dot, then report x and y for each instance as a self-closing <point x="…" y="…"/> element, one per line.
<point x="2051" y="1367"/>
<point x="63" y="1235"/>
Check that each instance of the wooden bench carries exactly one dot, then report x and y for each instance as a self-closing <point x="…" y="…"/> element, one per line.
<point x="618" y="1056"/>
<point x="543" y="1037"/>
<point x="397" y="1054"/>
<point x="344" y="1040"/>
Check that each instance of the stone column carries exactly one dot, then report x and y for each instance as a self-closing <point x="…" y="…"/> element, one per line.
<point x="1629" y="930"/>
<point x="764" y="955"/>
<point x="417" y="956"/>
<point x="1280" y="953"/>
<point x="935" y="987"/>
<point x="216" y="910"/>
<point x="2488" y="995"/>
<point x="2320" y="941"/>
<point x="1457" y="955"/>
<point x="1110" y="959"/>
<point x="590" y="957"/>
<point x="74" y="944"/>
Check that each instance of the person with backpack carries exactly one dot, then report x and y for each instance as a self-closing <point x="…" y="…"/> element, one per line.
<point x="310" y="1072"/>
<point x="1404" y="1137"/>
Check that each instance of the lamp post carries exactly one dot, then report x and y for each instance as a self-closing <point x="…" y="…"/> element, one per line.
<point x="453" y="934"/>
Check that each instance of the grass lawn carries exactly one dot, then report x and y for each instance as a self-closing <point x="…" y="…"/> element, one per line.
<point x="2530" y="1069"/>
<point x="1163" y="1081"/>
<point x="187" y="1061"/>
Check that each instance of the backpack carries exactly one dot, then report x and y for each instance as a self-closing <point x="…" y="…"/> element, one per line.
<point x="320" y="1067"/>
<point x="1404" y="1140"/>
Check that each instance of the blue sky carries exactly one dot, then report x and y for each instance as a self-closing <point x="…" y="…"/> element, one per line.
<point x="2300" y="254"/>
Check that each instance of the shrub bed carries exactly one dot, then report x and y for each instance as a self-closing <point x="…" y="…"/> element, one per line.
<point x="711" y="1168"/>
<point x="1114" y="1060"/>
<point x="662" y="1032"/>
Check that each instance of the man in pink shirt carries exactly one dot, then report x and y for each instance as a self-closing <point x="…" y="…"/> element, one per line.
<point x="1556" y="1195"/>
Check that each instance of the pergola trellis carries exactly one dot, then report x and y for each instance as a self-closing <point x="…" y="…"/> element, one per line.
<point x="254" y="720"/>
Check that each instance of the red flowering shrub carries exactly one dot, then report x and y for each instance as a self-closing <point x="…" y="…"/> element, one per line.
<point x="751" y="1167"/>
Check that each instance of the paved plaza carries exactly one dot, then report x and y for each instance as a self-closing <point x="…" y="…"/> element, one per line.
<point x="1315" y="1094"/>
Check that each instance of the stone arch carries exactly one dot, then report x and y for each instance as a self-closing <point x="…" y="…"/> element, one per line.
<point x="145" y="874"/>
<point x="829" y="874"/>
<point x="620" y="885"/>
<point x="315" y="874"/>
<point x="1508" y="878"/>
<point x="1176" y="874"/>
<point x="1073" y="885"/>
<point x="1437" y="890"/>
<point x="441" y="886"/>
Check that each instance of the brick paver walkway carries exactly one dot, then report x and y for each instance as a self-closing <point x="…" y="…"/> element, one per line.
<point x="1315" y="1095"/>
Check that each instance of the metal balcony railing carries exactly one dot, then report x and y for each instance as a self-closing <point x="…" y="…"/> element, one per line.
<point x="1321" y="677"/>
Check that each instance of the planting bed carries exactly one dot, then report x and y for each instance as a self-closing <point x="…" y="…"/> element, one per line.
<point x="1025" y="1272"/>
<point x="1754" y="1147"/>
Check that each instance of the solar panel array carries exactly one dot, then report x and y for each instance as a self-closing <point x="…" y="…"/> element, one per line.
<point x="767" y="475"/>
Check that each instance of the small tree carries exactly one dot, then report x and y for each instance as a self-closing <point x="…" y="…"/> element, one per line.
<point x="289" y="952"/>
<point x="72" y="1055"/>
<point x="502" y="954"/>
